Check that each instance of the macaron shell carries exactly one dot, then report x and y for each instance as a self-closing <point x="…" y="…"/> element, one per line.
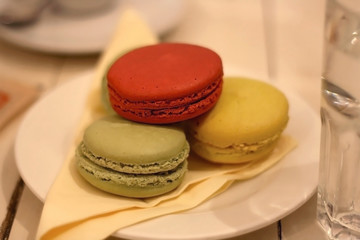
<point x="129" y="185"/>
<point x="124" y="141"/>
<point x="248" y="111"/>
<point x="169" y="103"/>
<point x="137" y="168"/>
<point x="105" y="97"/>
<point x="230" y="155"/>
<point x="186" y="109"/>
<point x="164" y="71"/>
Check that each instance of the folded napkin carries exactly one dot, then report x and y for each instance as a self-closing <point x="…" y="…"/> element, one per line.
<point x="75" y="210"/>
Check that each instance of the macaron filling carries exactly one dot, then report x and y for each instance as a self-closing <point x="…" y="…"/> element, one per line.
<point x="186" y="105"/>
<point x="160" y="104"/>
<point x="128" y="179"/>
<point x="240" y="148"/>
<point x="135" y="168"/>
<point x="237" y="153"/>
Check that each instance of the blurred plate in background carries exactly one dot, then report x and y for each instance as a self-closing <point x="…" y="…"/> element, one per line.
<point x="61" y="33"/>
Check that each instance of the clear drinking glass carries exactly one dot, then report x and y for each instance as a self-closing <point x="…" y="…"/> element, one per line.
<point x="338" y="209"/>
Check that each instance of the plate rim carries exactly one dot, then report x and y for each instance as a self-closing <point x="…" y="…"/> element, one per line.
<point x="128" y="231"/>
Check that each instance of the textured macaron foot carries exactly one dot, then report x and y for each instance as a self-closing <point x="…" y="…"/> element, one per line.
<point x="232" y="154"/>
<point x="165" y="83"/>
<point x="127" y="184"/>
<point x="132" y="159"/>
<point x="245" y="124"/>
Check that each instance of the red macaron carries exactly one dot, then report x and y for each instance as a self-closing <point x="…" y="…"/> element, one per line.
<point x="165" y="83"/>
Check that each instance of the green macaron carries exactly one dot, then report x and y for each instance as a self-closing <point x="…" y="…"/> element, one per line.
<point x="132" y="159"/>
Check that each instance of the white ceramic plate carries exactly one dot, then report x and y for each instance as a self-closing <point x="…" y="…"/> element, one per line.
<point x="47" y="129"/>
<point x="65" y="34"/>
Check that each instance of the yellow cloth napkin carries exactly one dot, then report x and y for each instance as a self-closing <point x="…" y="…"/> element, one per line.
<point x="75" y="210"/>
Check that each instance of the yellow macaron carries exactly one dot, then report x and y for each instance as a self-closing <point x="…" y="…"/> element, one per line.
<point x="244" y="125"/>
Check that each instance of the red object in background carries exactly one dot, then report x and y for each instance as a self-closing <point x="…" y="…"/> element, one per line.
<point x="14" y="98"/>
<point x="4" y="98"/>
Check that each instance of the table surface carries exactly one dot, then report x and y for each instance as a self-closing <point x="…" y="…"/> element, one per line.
<point x="287" y="48"/>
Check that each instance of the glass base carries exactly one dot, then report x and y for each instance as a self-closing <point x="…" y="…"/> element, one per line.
<point x="333" y="228"/>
